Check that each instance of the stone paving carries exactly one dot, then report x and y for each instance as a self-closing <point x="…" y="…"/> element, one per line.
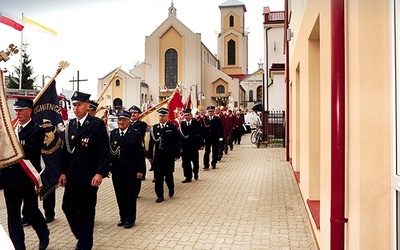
<point x="251" y="201"/>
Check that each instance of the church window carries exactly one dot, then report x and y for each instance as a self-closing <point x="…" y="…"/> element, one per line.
<point x="231" y="21"/>
<point x="231" y="52"/>
<point x="171" y="69"/>
<point x="250" y="95"/>
<point x="117" y="83"/>
<point x="220" y="89"/>
<point x="259" y="93"/>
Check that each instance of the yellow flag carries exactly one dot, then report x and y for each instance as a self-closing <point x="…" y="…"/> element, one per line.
<point x="38" y="26"/>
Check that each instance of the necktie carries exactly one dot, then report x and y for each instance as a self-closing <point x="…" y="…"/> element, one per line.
<point x="188" y="123"/>
<point x="162" y="126"/>
<point x="20" y="128"/>
<point x="79" y="124"/>
<point x="122" y="134"/>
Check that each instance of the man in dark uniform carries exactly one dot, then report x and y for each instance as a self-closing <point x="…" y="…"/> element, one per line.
<point x="127" y="167"/>
<point x="213" y="135"/>
<point x="191" y="142"/>
<point x="141" y="126"/>
<point x="17" y="184"/>
<point x="164" y="150"/>
<point x="85" y="162"/>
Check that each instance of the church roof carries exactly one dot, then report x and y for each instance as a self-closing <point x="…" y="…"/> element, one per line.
<point x="233" y="3"/>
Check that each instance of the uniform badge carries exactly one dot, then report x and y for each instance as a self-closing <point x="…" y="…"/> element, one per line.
<point x="85" y="142"/>
<point x="22" y="142"/>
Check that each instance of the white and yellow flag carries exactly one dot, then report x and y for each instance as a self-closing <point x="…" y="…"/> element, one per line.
<point x="39" y="27"/>
<point x="10" y="150"/>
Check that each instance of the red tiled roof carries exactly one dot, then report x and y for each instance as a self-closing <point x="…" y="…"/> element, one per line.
<point x="240" y="76"/>
<point x="274" y="16"/>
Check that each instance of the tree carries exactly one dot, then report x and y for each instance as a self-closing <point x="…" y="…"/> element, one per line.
<point x="27" y="71"/>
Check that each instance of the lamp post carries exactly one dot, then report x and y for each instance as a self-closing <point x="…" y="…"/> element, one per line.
<point x="203" y="97"/>
<point x="43" y="79"/>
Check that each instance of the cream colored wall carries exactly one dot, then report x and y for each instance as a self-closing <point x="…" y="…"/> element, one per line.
<point x="367" y="117"/>
<point x="368" y="142"/>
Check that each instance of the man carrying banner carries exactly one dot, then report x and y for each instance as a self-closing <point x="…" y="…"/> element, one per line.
<point x="85" y="162"/>
<point x="18" y="183"/>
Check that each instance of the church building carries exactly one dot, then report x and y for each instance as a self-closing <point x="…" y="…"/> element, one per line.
<point x="176" y="56"/>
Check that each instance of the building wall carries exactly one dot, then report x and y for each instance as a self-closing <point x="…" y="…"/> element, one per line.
<point x="367" y="102"/>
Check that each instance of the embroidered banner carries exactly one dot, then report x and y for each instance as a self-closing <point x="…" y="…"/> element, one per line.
<point x="10" y="150"/>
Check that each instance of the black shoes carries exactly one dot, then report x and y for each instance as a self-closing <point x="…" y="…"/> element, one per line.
<point x="44" y="243"/>
<point x="154" y="180"/>
<point x="25" y="222"/>
<point x="196" y="177"/>
<point x="121" y="223"/>
<point x="206" y="168"/>
<point x="186" y="180"/>
<point x="171" y="193"/>
<point x="159" y="199"/>
<point x="129" y="224"/>
<point x="214" y="166"/>
<point x="49" y="219"/>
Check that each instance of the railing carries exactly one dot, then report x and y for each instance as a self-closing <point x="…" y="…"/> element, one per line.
<point x="274" y="127"/>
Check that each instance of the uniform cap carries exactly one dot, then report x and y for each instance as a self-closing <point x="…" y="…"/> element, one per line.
<point x="124" y="114"/>
<point x="162" y="111"/>
<point x="187" y="111"/>
<point x="210" y="108"/>
<point x="93" y="105"/>
<point x="23" y="103"/>
<point x="80" y="97"/>
<point x="135" y="109"/>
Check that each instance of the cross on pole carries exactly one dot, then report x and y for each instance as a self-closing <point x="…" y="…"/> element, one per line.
<point x="77" y="81"/>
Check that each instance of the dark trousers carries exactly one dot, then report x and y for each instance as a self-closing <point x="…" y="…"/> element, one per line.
<point x="49" y="204"/>
<point x="125" y="191"/>
<point x="79" y="206"/>
<point x="189" y="157"/>
<point x="159" y="177"/>
<point x="228" y="143"/>
<point x="206" y="159"/>
<point x="14" y="198"/>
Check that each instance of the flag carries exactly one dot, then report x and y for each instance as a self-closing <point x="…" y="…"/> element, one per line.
<point x="10" y="149"/>
<point x="39" y="27"/>
<point x="11" y="20"/>
<point x="47" y="113"/>
<point x="175" y="107"/>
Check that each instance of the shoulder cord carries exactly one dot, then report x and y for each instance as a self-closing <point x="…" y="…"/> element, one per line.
<point x="152" y="135"/>
<point x="181" y="132"/>
<point x="204" y="122"/>
<point x="67" y="140"/>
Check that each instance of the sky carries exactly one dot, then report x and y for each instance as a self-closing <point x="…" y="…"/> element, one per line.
<point x="97" y="36"/>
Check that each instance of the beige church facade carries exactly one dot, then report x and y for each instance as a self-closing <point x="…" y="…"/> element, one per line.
<point x="175" y="56"/>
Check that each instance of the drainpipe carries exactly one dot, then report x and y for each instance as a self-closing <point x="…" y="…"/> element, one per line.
<point x="337" y="125"/>
<point x="287" y="79"/>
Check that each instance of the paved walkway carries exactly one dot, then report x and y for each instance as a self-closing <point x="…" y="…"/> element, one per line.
<point x="251" y="201"/>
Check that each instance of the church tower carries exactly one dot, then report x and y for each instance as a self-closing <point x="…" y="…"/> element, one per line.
<point x="233" y="39"/>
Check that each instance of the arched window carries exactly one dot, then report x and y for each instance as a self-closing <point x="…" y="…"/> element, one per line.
<point x="251" y="95"/>
<point x="220" y="89"/>
<point x="117" y="83"/>
<point x="231" y="52"/>
<point x="231" y="21"/>
<point x="171" y="68"/>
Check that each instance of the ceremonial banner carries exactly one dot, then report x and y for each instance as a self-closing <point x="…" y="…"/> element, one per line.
<point x="47" y="113"/>
<point x="10" y="149"/>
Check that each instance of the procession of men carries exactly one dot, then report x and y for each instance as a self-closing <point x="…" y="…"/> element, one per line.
<point x="91" y="153"/>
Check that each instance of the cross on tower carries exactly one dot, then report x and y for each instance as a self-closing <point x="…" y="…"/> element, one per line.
<point x="77" y="80"/>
